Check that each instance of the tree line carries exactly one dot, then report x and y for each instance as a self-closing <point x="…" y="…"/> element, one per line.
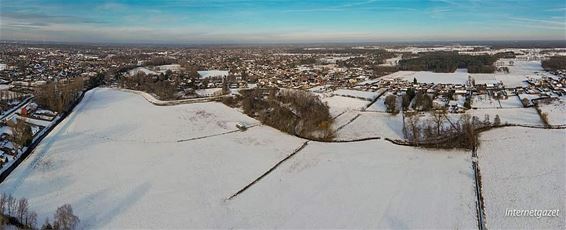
<point x="295" y="112"/>
<point x="448" y="62"/>
<point x="555" y="63"/>
<point x="59" y="96"/>
<point x="16" y="212"/>
<point x="434" y="132"/>
<point x="159" y="85"/>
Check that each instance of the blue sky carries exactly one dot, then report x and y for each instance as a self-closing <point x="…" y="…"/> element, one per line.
<point x="276" y="21"/>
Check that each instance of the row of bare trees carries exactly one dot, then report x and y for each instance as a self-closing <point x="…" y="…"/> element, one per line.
<point x="439" y="131"/>
<point x="16" y="212"/>
<point x="59" y="96"/>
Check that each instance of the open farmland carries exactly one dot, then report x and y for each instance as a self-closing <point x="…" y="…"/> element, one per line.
<point x="125" y="163"/>
<point x="523" y="168"/>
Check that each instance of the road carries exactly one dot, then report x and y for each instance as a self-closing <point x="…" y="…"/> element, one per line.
<point x="13" y="111"/>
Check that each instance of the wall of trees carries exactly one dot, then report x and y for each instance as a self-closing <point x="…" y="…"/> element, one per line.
<point x="555" y="63"/>
<point x="448" y="62"/>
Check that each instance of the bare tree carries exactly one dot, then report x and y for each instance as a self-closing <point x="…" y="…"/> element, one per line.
<point x="22" y="210"/>
<point x="413" y="129"/>
<point x="11" y="205"/>
<point x="64" y="218"/>
<point x="3" y="203"/>
<point x="438" y="117"/>
<point x="31" y="220"/>
<point x="21" y="133"/>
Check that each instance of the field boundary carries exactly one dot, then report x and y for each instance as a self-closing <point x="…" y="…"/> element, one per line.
<point x="151" y="99"/>
<point x="269" y="171"/>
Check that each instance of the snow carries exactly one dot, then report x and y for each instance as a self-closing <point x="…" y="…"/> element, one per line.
<point x="364" y="95"/>
<point x="373" y="124"/>
<point x="517" y="116"/>
<point x="121" y="162"/>
<point x="523" y="168"/>
<point x="556" y="111"/>
<point x="208" y="92"/>
<point x="5" y="87"/>
<point x="458" y="77"/>
<point x="509" y="80"/>
<point x="379" y="105"/>
<point x="394" y="61"/>
<point x="151" y="98"/>
<point x="511" y="102"/>
<point x="339" y="104"/>
<point x="213" y="73"/>
<point x="119" y="170"/>
<point x="517" y="75"/>
<point x="364" y="185"/>
<point x="524" y="67"/>
<point x="172" y="67"/>
<point x="141" y="69"/>
<point x="485" y="101"/>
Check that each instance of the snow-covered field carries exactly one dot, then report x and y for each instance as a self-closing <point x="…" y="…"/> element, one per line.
<point x="373" y="124"/>
<point x="518" y="73"/>
<point x="364" y="185"/>
<point x="125" y="163"/>
<point x="556" y="111"/>
<point x="516" y="116"/>
<point x="363" y="95"/>
<point x="141" y="69"/>
<point x="339" y="104"/>
<point x="458" y="77"/>
<point x="485" y="101"/>
<point x="523" y="168"/>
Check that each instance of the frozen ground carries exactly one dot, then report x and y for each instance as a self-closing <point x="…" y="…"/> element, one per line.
<point x="125" y="163"/>
<point x="523" y="168"/>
